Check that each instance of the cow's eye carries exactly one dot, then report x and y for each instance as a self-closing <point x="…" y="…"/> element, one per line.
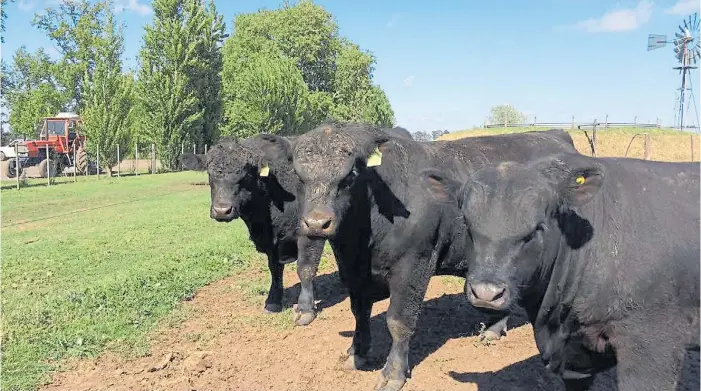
<point x="526" y="239"/>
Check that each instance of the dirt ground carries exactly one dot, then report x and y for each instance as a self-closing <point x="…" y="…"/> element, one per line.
<point x="227" y="343"/>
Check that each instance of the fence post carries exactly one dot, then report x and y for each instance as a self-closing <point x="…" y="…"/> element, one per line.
<point x="635" y="121"/>
<point x="535" y="121"/>
<point x="205" y="149"/>
<point x="691" y="137"/>
<point x="647" y="147"/>
<point x="194" y="148"/>
<point x="18" y="167"/>
<point x="136" y="152"/>
<point x="606" y="122"/>
<point x="97" y="169"/>
<point x="657" y="122"/>
<point x="118" y="163"/>
<point x="572" y="121"/>
<point x="593" y="139"/>
<point x="182" y="152"/>
<point x="75" y="163"/>
<point x="506" y="122"/>
<point x="48" y="167"/>
<point x="153" y="158"/>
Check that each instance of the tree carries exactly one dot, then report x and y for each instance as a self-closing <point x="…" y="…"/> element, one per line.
<point x="31" y="91"/>
<point x="108" y="96"/>
<point x="3" y="18"/>
<point x="506" y="114"/>
<point x="74" y="26"/>
<point x="336" y="74"/>
<point x="172" y="82"/>
<point x="422" y="136"/>
<point x="438" y="133"/>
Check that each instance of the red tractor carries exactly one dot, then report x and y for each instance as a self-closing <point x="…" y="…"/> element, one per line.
<point x="66" y="148"/>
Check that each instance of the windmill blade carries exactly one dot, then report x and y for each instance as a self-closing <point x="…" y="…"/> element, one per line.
<point x="696" y="22"/>
<point x="682" y="30"/>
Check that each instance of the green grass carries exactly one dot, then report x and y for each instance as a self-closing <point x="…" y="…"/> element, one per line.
<point x="97" y="264"/>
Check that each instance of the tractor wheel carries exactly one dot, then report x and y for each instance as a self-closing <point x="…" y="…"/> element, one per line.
<point x="43" y="166"/>
<point x="2" y="156"/>
<point x="12" y="168"/>
<point x="81" y="163"/>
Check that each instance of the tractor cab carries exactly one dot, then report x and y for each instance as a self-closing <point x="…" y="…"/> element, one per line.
<point x="62" y="130"/>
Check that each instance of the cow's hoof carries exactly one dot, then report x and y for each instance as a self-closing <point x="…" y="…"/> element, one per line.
<point x="389" y="385"/>
<point x="273" y="308"/>
<point x="354" y="362"/>
<point x="304" y="318"/>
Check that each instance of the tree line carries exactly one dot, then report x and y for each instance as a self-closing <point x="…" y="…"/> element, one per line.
<point x="279" y="71"/>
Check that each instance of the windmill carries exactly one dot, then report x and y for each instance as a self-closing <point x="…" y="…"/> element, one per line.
<point x="687" y="49"/>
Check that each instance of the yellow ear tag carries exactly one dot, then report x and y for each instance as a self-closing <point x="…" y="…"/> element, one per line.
<point x="579" y="180"/>
<point x="375" y="158"/>
<point x="265" y="170"/>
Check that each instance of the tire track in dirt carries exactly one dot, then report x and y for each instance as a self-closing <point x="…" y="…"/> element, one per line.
<point x="227" y="343"/>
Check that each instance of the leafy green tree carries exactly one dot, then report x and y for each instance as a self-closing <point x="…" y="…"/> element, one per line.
<point x="75" y="27"/>
<point x="172" y="81"/>
<point x="108" y="97"/>
<point x="31" y="91"/>
<point x="336" y="73"/>
<point x="506" y="114"/>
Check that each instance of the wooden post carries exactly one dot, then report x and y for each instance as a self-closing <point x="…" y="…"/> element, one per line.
<point x="182" y="152"/>
<point x="153" y="158"/>
<point x="136" y="153"/>
<point x="75" y="163"/>
<point x="18" y="167"/>
<point x="647" y="147"/>
<point x="692" y="146"/>
<point x="657" y="122"/>
<point x="205" y="149"/>
<point x="48" y="167"/>
<point x="593" y="139"/>
<point x="572" y="121"/>
<point x="194" y="148"/>
<point x="635" y="121"/>
<point x="118" y="163"/>
<point x="506" y="122"/>
<point x="535" y="121"/>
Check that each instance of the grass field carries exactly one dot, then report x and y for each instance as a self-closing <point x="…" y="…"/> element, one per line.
<point x="665" y="144"/>
<point x="97" y="264"/>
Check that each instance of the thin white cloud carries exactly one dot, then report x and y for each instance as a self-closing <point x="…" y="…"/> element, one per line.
<point x="683" y="7"/>
<point x="26" y="5"/>
<point x="133" y="6"/>
<point x="409" y="81"/>
<point x="620" y="20"/>
<point x="393" y="20"/>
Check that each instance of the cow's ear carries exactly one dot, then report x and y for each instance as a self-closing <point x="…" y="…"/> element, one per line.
<point x="375" y="150"/>
<point x="578" y="178"/>
<point x="191" y="161"/>
<point x="581" y="185"/>
<point x="440" y="186"/>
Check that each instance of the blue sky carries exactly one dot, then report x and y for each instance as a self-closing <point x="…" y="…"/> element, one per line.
<point x="444" y="64"/>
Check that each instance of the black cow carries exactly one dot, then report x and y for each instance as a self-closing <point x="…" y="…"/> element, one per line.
<point x="602" y="253"/>
<point x="388" y="235"/>
<point x="253" y="179"/>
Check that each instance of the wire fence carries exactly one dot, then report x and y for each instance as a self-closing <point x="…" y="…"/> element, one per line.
<point x="575" y="124"/>
<point x="144" y="159"/>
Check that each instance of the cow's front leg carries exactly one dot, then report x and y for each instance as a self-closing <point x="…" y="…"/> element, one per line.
<point x="309" y="256"/>
<point x="361" y="305"/>
<point x="274" y="301"/>
<point x="408" y="286"/>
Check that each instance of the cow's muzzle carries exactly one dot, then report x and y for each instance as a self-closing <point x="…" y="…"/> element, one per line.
<point x="320" y="222"/>
<point x="487" y="294"/>
<point x="224" y="213"/>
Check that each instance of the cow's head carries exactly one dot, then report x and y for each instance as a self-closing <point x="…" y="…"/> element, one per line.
<point x="517" y="217"/>
<point x="235" y="169"/>
<point x="331" y="161"/>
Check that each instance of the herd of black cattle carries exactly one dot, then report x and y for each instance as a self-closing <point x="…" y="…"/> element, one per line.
<point x="601" y="253"/>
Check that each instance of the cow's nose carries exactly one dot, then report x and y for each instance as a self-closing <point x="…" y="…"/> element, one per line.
<point x="319" y="222"/>
<point x="222" y="211"/>
<point x="486" y="294"/>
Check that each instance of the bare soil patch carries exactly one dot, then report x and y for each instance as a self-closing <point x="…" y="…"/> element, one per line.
<point x="227" y="343"/>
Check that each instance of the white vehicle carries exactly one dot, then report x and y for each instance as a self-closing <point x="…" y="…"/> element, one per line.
<point x="8" y="151"/>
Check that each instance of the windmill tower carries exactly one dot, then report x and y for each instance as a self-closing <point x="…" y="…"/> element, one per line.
<point x="687" y="50"/>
